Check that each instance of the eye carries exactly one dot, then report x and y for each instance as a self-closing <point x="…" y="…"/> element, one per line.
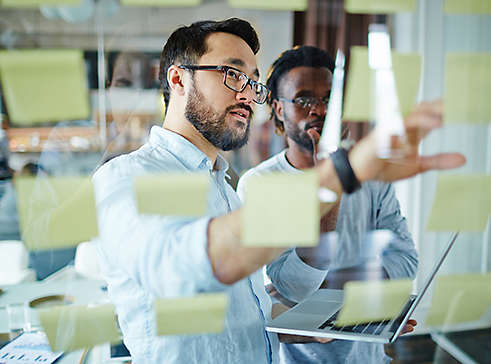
<point x="234" y="75"/>
<point x="302" y="101"/>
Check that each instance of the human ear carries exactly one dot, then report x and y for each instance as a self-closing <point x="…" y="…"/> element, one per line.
<point x="278" y="110"/>
<point x="175" y="79"/>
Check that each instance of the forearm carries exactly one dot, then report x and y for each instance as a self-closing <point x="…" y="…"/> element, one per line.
<point x="230" y="260"/>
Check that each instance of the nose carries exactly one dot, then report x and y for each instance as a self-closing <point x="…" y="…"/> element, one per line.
<point x="318" y="109"/>
<point x="246" y="95"/>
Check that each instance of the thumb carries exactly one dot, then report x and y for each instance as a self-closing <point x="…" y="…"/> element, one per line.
<point x="314" y="138"/>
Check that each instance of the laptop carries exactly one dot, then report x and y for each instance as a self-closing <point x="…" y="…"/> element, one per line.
<point x="316" y="315"/>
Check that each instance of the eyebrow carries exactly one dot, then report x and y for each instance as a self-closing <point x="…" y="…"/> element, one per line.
<point x="309" y="93"/>
<point x="240" y="63"/>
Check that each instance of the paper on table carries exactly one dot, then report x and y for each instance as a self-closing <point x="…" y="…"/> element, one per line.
<point x="56" y="212"/>
<point x="462" y="202"/>
<point x="293" y="5"/>
<point x="74" y="327"/>
<point x="179" y="3"/>
<point x="366" y="301"/>
<point x="172" y="194"/>
<point x="204" y="313"/>
<point x="36" y="3"/>
<point x="467" y="88"/>
<point x="379" y="6"/>
<point x="407" y="71"/>
<point x="44" y="85"/>
<point x="281" y="209"/>
<point x="468" y="7"/>
<point x="459" y="298"/>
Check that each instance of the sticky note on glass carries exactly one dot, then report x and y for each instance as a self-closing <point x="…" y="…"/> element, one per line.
<point x="359" y="90"/>
<point x="467" y="7"/>
<point x="461" y="202"/>
<point x="44" y="85"/>
<point x="36" y="3"/>
<point x="379" y="6"/>
<point x="290" y="5"/>
<point x="70" y="328"/>
<point x="162" y="3"/>
<point x="366" y="301"/>
<point x="172" y="194"/>
<point x="56" y="212"/>
<point x="204" y="313"/>
<point x="459" y="298"/>
<point x="467" y="88"/>
<point x="281" y="209"/>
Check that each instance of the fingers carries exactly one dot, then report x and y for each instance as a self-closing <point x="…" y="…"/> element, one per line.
<point x="442" y="161"/>
<point x="323" y="340"/>
<point x="314" y="137"/>
<point x="423" y="119"/>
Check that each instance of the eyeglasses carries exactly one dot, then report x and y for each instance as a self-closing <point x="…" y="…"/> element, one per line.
<point x="306" y="102"/>
<point x="235" y="80"/>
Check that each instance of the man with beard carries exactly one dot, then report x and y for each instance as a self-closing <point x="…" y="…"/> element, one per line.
<point x="300" y="84"/>
<point x="209" y="78"/>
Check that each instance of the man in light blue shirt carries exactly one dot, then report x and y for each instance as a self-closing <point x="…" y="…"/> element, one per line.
<point x="209" y="78"/>
<point x="300" y="83"/>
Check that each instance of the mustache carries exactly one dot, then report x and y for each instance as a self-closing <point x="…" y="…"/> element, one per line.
<point x="316" y="122"/>
<point x="240" y="105"/>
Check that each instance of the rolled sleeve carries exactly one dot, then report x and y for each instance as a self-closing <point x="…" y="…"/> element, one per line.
<point x="293" y="278"/>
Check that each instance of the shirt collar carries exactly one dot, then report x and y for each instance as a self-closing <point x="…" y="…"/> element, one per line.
<point x="193" y="158"/>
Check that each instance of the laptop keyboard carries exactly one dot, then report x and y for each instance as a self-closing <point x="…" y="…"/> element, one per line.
<point x="372" y="328"/>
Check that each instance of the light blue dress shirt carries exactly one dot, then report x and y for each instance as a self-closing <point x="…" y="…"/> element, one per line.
<point x="373" y="207"/>
<point x="144" y="257"/>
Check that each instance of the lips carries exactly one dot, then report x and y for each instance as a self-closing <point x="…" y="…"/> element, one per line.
<point x="241" y="114"/>
<point x="316" y="125"/>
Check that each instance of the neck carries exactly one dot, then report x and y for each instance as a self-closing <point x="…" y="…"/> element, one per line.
<point x="176" y="121"/>
<point x="298" y="156"/>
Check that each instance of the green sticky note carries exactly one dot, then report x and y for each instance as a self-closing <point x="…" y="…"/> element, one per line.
<point x="56" y="212"/>
<point x="173" y="194"/>
<point x="366" y="301"/>
<point x="459" y="298"/>
<point x="36" y="3"/>
<point x="379" y="6"/>
<point x="290" y="5"/>
<point x="467" y="6"/>
<point x="44" y="85"/>
<point x="359" y="90"/>
<point x="462" y="202"/>
<point x="281" y="209"/>
<point x="75" y="327"/>
<point x="204" y="313"/>
<point x="467" y="88"/>
<point x="179" y="3"/>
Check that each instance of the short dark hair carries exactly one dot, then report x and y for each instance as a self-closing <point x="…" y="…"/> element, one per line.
<point x="298" y="56"/>
<point x="188" y="43"/>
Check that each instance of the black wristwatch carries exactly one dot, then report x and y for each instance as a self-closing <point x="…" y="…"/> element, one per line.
<point x="345" y="173"/>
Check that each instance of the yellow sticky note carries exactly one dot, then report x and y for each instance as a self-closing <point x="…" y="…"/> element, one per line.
<point x="291" y="5"/>
<point x="204" y="313"/>
<point x="36" y="3"/>
<point x="44" y="85"/>
<point x="461" y="202"/>
<point x="459" y="298"/>
<point x="379" y="6"/>
<point x="56" y="212"/>
<point x="179" y="3"/>
<point x="468" y="6"/>
<point x="70" y="328"/>
<point x="366" y="301"/>
<point x="173" y="194"/>
<point x="467" y="88"/>
<point x="359" y="90"/>
<point x="281" y="209"/>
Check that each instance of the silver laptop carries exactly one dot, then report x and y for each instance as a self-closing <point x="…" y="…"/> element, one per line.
<point x="316" y="315"/>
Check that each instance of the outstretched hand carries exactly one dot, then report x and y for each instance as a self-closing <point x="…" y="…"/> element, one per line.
<point x="426" y="117"/>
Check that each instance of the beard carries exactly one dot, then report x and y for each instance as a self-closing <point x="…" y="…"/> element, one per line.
<point x="299" y="135"/>
<point x="213" y="125"/>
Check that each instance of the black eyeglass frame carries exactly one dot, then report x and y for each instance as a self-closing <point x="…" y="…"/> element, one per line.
<point x="318" y="100"/>
<point x="224" y="69"/>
